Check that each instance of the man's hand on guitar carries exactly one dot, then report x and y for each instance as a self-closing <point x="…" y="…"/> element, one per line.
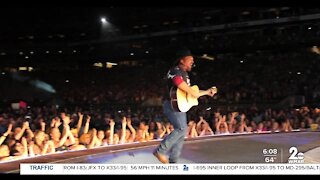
<point x="212" y="91"/>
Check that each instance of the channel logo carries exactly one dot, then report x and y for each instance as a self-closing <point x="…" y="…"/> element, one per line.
<point x="296" y="157"/>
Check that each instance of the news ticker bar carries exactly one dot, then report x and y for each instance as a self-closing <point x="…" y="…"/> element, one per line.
<point x="167" y="169"/>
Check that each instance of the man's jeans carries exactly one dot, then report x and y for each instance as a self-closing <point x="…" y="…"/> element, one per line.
<point x="173" y="143"/>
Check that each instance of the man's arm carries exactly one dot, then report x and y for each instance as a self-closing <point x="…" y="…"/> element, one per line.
<point x="184" y="86"/>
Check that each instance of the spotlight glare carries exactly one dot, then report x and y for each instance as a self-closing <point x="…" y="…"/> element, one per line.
<point x="103" y="20"/>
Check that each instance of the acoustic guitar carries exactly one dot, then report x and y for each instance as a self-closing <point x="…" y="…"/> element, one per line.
<point x="182" y="101"/>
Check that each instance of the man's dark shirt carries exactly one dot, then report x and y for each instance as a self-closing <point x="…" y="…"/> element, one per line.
<point x="174" y="77"/>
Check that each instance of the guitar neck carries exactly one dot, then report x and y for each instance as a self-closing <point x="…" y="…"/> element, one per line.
<point x="202" y="93"/>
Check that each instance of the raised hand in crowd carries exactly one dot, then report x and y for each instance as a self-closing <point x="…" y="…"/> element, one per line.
<point x="4" y="135"/>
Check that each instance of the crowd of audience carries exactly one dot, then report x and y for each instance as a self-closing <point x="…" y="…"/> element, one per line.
<point x="28" y="132"/>
<point x="246" y="79"/>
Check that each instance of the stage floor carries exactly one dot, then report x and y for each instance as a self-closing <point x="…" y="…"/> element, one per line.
<point x="245" y="148"/>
